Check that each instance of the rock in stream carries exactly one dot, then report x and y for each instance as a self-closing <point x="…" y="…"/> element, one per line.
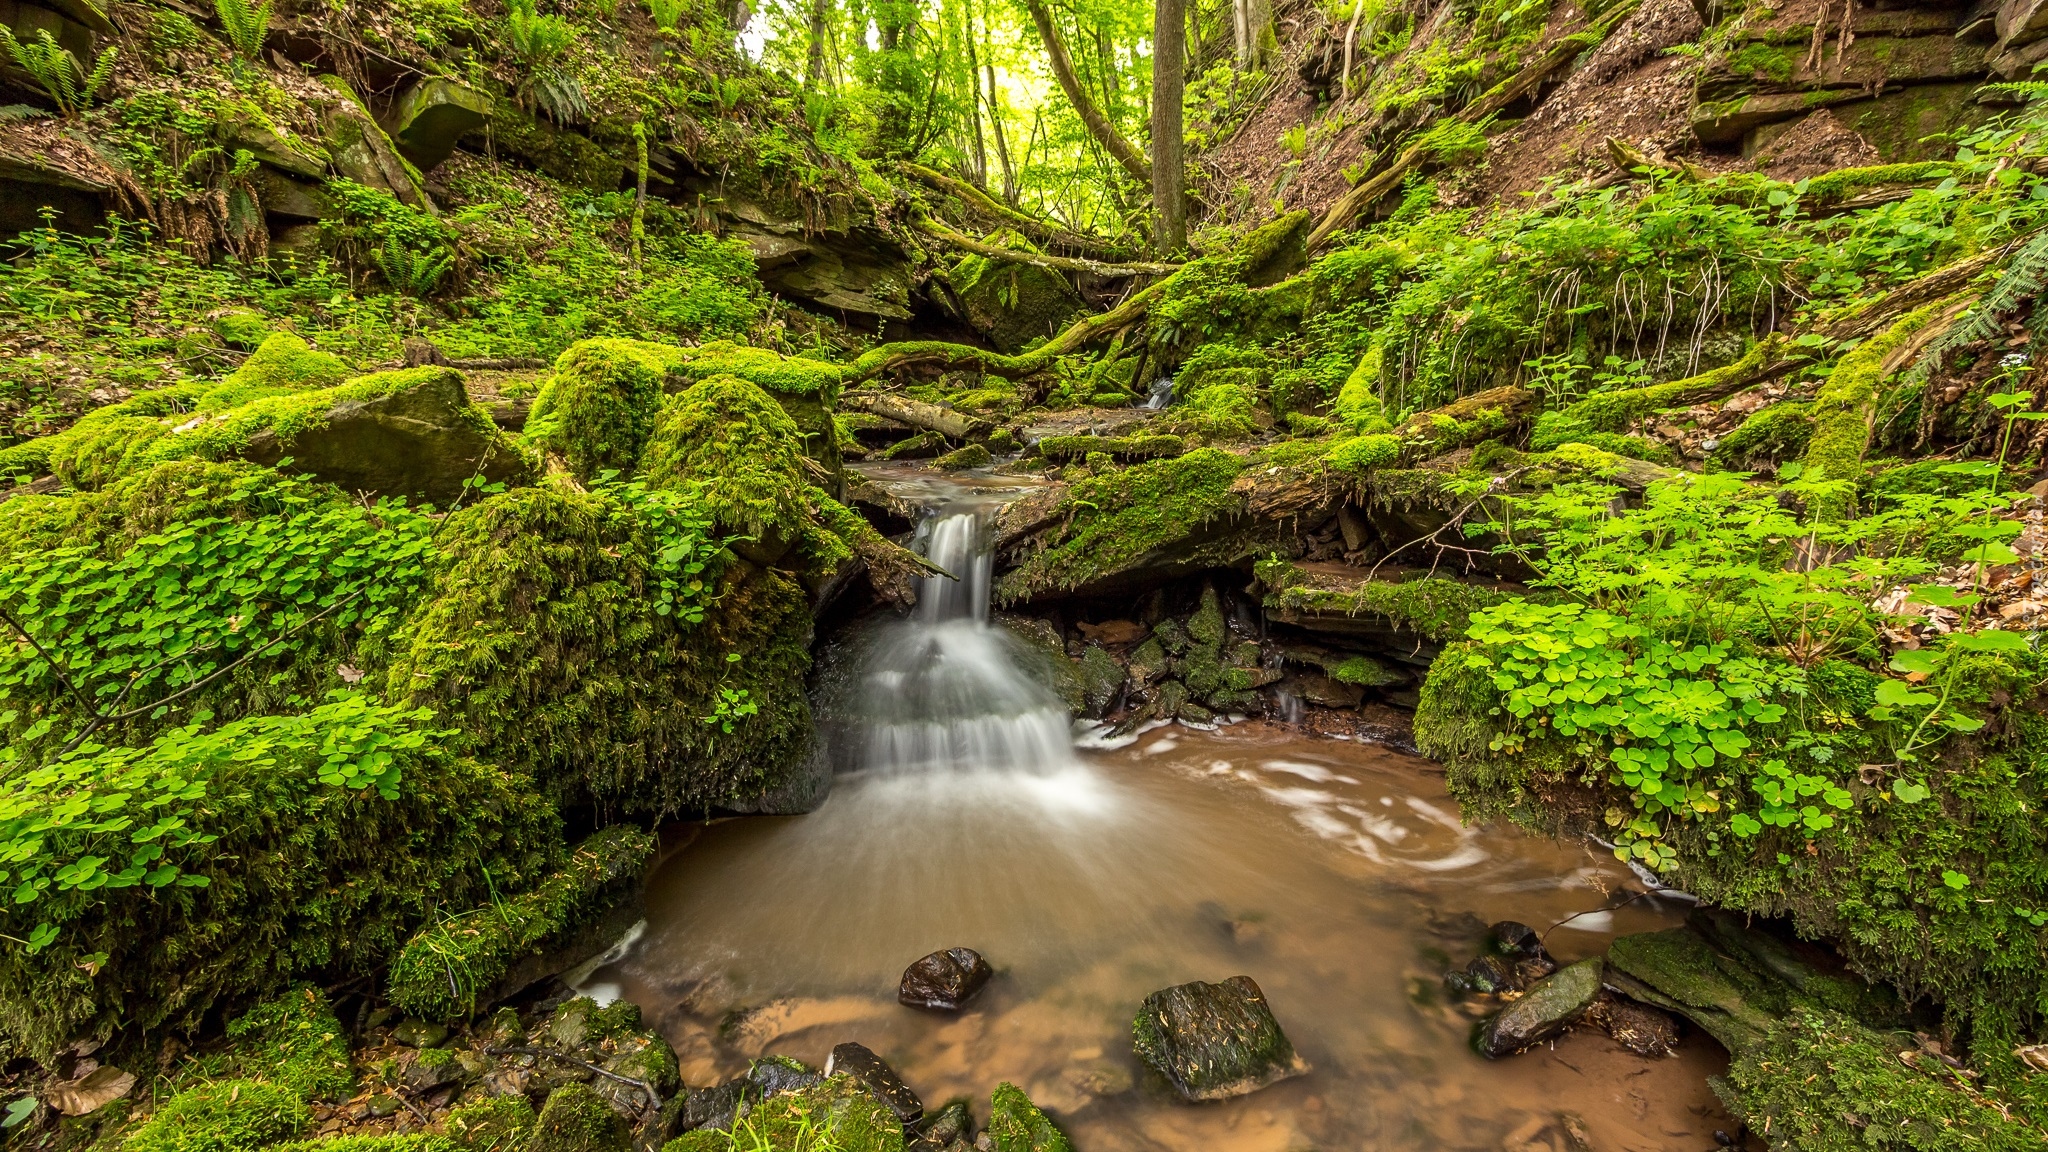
<point x="1215" y="1041"/>
<point x="1546" y="1009"/>
<point x="944" y="980"/>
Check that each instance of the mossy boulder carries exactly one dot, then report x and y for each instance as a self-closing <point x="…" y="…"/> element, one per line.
<point x="576" y="1119"/>
<point x="1148" y="522"/>
<point x="1012" y="304"/>
<point x="540" y="641"/>
<point x="492" y="1123"/>
<point x="598" y="407"/>
<point x="729" y="437"/>
<point x="293" y="1040"/>
<point x="479" y="958"/>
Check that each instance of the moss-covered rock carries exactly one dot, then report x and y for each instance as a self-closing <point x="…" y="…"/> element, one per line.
<point x="960" y="459"/>
<point x="576" y="1119"/>
<point x="1166" y="516"/>
<point x="481" y="957"/>
<point x="539" y="639"/>
<point x="1015" y="1124"/>
<point x="598" y="407"/>
<point x="1434" y="607"/>
<point x="223" y="1116"/>
<point x="493" y="1124"/>
<point x="728" y="436"/>
<point x="1012" y="304"/>
<point x="1214" y="1041"/>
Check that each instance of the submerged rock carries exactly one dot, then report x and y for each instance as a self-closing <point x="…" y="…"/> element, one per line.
<point x="874" y="1074"/>
<point x="1546" y="1009"/>
<point x="950" y="1129"/>
<point x="1215" y="1041"/>
<point x="944" y="980"/>
<point x="1641" y="1029"/>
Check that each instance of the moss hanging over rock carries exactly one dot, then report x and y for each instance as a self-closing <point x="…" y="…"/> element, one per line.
<point x="459" y="965"/>
<point x="599" y="406"/>
<point x="1117" y="522"/>
<point x="1015" y="1124"/>
<point x="541" y="640"/>
<point x="1435" y="607"/>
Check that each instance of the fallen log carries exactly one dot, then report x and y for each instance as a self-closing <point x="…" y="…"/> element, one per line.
<point x="916" y="413"/>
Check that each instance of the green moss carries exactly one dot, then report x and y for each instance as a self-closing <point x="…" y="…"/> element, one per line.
<point x="1365" y="672"/>
<point x="1777" y="432"/>
<point x="294" y="1041"/>
<point x="837" y="1114"/>
<point x="1820" y="1082"/>
<point x="1140" y="447"/>
<point x="1358" y="406"/>
<point x="496" y="1124"/>
<point x="282" y="363"/>
<point x="1842" y="408"/>
<point x="224" y="1116"/>
<point x="539" y="640"/>
<point x="599" y="406"/>
<point x="1117" y="519"/>
<point x="577" y="1119"/>
<point x="244" y="330"/>
<point x="728" y="435"/>
<point x="441" y="972"/>
<point x="1614" y="411"/>
<point x="1015" y="1124"/>
<point x="767" y="370"/>
<point x="971" y="456"/>
<point x="1436" y="608"/>
<point x="415" y="1142"/>
<point x="1362" y="454"/>
<point x="1221" y="410"/>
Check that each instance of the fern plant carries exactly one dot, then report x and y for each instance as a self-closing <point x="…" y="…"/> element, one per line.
<point x="59" y="73"/>
<point x="666" y="13"/>
<point x="412" y="273"/>
<point x="246" y="24"/>
<point x="538" y="42"/>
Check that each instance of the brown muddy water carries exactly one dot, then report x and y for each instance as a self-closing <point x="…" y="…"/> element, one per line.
<point x="1335" y="874"/>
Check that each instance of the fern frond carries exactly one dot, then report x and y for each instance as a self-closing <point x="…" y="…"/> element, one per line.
<point x="9" y="113"/>
<point x="666" y="13"/>
<point x="102" y="72"/>
<point x="246" y="24"/>
<point x="2021" y="282"/>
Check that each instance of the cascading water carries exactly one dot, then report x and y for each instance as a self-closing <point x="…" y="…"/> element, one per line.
<point x="962" y="815"/>
<point x="946" y="691"/>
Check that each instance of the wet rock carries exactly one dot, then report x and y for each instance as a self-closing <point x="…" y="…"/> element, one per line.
<point x="1215" y="1041"/>
<point x="1148" y="663"/>
<point x="379" y="1106"/>
<point x="874" y="1074"/>
<point x="1015" y="1124"/>
<point x="1102" y="680"/>
<point x="772" y="1075"/>
<point x="1515" y="939"/>
<point x="434" y="1068"/>
<point x="1639" y="1028"/>
<point x="960" y="459"/>
<point x="714" y="1107"/>
<point x="1549" y="1007"/>
<point x="1485" y="976"/>
<point x="943" y="980"/>
<point x="942" y="1130"/>
<point x="419" y="1033"/>
<point x="1012" y="304"/>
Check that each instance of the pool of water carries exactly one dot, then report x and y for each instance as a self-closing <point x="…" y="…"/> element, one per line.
<point x="1336" y="874"/>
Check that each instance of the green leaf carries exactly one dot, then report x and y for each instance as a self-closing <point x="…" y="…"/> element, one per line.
<point x="1954" y="879"/>
<point x="1909" y="793"/>
<point x="1898" y="693"/>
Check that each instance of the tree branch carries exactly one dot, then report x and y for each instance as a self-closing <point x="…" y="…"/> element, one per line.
<point x="1038" y="260"/>
<point x="1104" y="132"/>
<point x="980" y="202"/>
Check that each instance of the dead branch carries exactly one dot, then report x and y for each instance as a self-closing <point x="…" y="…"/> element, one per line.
<point x="946" y="235"/>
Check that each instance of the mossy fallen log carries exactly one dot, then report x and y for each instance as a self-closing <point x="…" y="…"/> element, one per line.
<point x="916" y="413"/>
<point x="1040" y="230"/>
<point x="1039" y="259"/>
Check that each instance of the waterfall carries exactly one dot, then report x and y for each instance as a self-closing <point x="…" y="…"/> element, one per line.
<point x="948" y="691"/>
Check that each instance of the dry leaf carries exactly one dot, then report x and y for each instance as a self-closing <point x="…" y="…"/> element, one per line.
<point x="2034" y="1056"/>
<point x="90" y="1092"/>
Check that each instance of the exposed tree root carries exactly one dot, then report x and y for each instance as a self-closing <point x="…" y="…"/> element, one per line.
<point x="947" y="356"/>
<point x="946" y="235"/>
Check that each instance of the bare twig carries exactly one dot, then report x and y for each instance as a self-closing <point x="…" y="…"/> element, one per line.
<point x="522" y="1050"/>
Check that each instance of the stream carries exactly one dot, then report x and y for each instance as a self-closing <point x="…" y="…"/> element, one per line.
<point x="1093" y="872"/>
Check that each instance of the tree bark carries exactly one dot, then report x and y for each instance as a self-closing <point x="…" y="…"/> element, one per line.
<point x="1104" y="132"/>
<point x="1169" y="169"/>
<point x="814" y="63"/>
<point x="916" y="413"/>
<point x="974" y="100"/>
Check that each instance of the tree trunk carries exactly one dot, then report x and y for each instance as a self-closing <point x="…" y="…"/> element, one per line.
<point x="814" y="65"/>
<point x="1169" y="170"/>
<point x="1105" y="133"/>
<point x="980" y="152"/>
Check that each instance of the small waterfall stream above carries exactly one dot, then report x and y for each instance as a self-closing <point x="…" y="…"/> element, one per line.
<point x="1336" y="874"/>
